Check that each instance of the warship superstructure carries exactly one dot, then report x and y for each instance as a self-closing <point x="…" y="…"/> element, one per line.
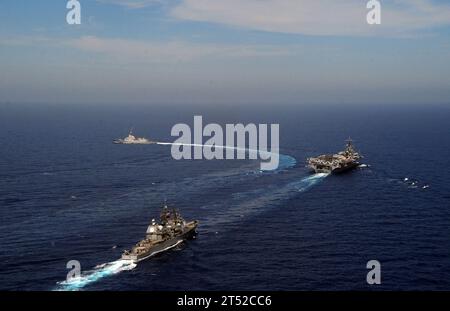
<point x="171" y="231"/>
<point x="336" y="163"/>
<point x="133" y="140"/>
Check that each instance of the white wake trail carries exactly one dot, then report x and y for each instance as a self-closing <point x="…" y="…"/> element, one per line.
<point x="99" y="272"/>
<point x="286" y="161"/>
<point x="307" y="182"/>
<point x="250" y="203"/>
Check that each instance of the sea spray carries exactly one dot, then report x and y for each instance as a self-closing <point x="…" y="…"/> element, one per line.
<point x="99" y="272"/>
<point x="307" y="182"/>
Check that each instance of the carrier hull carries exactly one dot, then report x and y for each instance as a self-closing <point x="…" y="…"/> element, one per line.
<point x="339" y="170"/>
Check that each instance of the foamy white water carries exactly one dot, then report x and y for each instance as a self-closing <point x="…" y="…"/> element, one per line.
<point x="98" y="273"/>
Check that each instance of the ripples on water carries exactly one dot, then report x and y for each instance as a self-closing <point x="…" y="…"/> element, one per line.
<point x="67" y="193"/>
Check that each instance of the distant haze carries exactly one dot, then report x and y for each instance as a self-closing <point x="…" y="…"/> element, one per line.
<point x="230" y="51"/>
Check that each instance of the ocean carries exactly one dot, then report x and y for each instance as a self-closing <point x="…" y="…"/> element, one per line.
<point x="68" y="193"/>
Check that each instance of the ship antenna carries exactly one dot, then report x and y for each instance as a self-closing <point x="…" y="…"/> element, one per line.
<point x="349" y="141"/>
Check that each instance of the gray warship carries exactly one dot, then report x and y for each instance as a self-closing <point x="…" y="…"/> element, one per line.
<point x="171" y="231"/>
<point x="336" y="163"/>
<point x="133" y="140"/>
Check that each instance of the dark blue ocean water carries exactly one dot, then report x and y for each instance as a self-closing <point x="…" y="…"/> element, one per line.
<point x="68" y="193"/>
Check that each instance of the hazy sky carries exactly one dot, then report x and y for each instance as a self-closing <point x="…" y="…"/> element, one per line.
<point x="220" y="51"/>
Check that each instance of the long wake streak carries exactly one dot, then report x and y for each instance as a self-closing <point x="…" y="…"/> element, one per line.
<point x="286" y="161"/>
<point x="307" y="182"/>
<point x="249" y="203"/>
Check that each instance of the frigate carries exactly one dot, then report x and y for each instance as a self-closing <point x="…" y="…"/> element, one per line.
<point x="133" y="140"/>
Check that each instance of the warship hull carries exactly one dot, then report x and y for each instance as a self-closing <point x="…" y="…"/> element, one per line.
<point x="122" y="142"/>
<point x="164" y="245"/>
<point x="133" y="140"/>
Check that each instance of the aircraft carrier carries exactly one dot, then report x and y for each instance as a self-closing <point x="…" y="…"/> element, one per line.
<point x="336" y="163"/>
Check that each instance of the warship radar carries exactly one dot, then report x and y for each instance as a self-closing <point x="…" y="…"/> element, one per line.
<point x="168" y="233"/>
<point x="336" y="163"/>
<point x="133" y="140"/>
